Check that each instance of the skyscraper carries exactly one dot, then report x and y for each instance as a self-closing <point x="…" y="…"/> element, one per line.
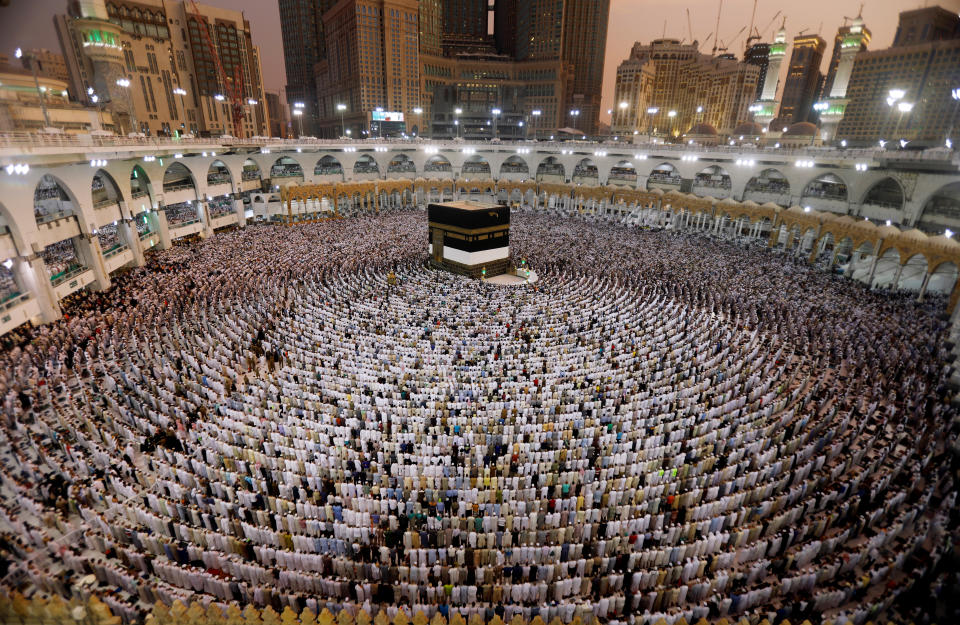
<point x="668" y="76"/>
<point x="301" y="24"/>
<point x="372" y="63"/>
<point x="584" y="45"/>
<point x="844" y="42"/>
<point x="156" y="78"/>
<point x="850" y="41"/>
<point x="758" y="54"/>
<point x="803" y="78"/>
<point x="765" y="108"/>
<point x="905" y="91"/>
<point x="465" y="18"/>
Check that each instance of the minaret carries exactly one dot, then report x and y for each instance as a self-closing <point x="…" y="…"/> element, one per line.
<point x="765" y="109"/>
<point x="100" y="40"/>
<point x="831" y="109"/>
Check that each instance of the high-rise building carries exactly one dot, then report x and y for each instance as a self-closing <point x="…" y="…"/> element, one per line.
<point x="669" y="87"/>
<point x="803" y="78"/>
<point x="758" y="54"/>
<point x="276" y="114"/>
<point x="371" y="66"/>
<point x="304" y="45"/>
<point x="850" y="41"/>
<point x="24" y="108"/>
<point x="151" y="65"/>
<point x="49" y="64"/>
<point x="926" y="25"/>
<point x="905" y="91"/>
<point x="465" y="18"/>
<point x="584" y="47"/>
<point x="765" y="108"/>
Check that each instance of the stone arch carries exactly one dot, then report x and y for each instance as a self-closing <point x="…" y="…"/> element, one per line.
<point x="586" y="172"/>
<point x="828" y="186"/>
<point x="218" y="173"/>
<point x="366" y="165"/>
<point x="623" y="173"/>
<point x="941" y="209"/>
<point x="664" y="176"/>
<point x="140" y="187"/>
<point x="885" y="193"/>
<point x="104" y="189"/>
<point x="52" y="200"/>
<point x="550" y="169"/>
<point x="914" y="269"/>
<point x="437" y="164"/>
<point x="714" y="181"/>
<point x="475" y="166"/>
<point x="943" y="277"/>
<point x="250" y="170"/>
<point x="514" y="167"/>
<point x="770" y="185"/>
<point x="177" y="177"/>
<point x="286" y="167"/>
<point x="402" y="165"/>
<point x="328" y="165"/>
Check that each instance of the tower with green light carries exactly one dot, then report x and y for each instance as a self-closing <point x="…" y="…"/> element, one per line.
<point x="100" y="40"/>
<point x="832" y="107"/>
<point x="765" y="109"/>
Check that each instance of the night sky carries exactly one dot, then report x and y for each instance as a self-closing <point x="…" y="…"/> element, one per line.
<point x="28" y="23"/>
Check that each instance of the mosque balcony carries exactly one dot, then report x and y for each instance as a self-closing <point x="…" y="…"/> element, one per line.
<point x="63" y="227"/>
<point x="223" y="221"/>
<point x="16" y="310"/>
<point x="186" y="229"/>
<point x="69" y="282"/>
<point x="118" y="257"/>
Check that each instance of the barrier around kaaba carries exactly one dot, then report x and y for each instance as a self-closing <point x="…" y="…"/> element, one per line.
<point x="469" y="238"/>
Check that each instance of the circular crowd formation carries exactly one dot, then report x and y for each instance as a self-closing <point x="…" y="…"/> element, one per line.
<point x="664" y="425"/>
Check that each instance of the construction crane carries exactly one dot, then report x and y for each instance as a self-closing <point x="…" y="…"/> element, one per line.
<point x="760" y="33"/>
<point x="690" y="27"/>
<point x="232" y="85"/>
<point x="723" y="46"/>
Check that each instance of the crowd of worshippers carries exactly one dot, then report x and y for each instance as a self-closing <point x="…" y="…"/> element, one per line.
<point x="662" y="426"/>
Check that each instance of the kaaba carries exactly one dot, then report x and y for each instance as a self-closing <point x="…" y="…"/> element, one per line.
<point x="468" y="237"/>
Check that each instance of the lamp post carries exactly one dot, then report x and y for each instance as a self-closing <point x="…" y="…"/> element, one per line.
<point x="650" y="113"/>
<point x="419" y="113"/>
<point x="672" y="115"/>
<point x="534" y="113"/>
<point x="894" y="96"/>
<point x="298" y="113"/>
<point x="182" y="92"/>
<point x="456" y="122"/>
<point x="32" y="58"/>
<point x="575" y="113"/>
<point x="342" y="107"/>
<point x="496" y="115"/>
<point x="623" y="106"/>
<point x="902" y="107"/>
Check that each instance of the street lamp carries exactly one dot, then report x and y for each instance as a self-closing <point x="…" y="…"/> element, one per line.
<point x="535" y="113"/>
<point x="419" y="113"/>
<point x="456" y="122"/>
<point x="651" y="111"/>
<point x="182" y="92"/>
<point x="341" y="107"/>
<point x="496" y="114"/>
<point x="298" y="113"/>
<point x="123" y="82"/>
<point x="903" y="107"/>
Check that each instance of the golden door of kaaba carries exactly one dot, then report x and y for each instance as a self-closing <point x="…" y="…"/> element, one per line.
<point x="437" y="245"/>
